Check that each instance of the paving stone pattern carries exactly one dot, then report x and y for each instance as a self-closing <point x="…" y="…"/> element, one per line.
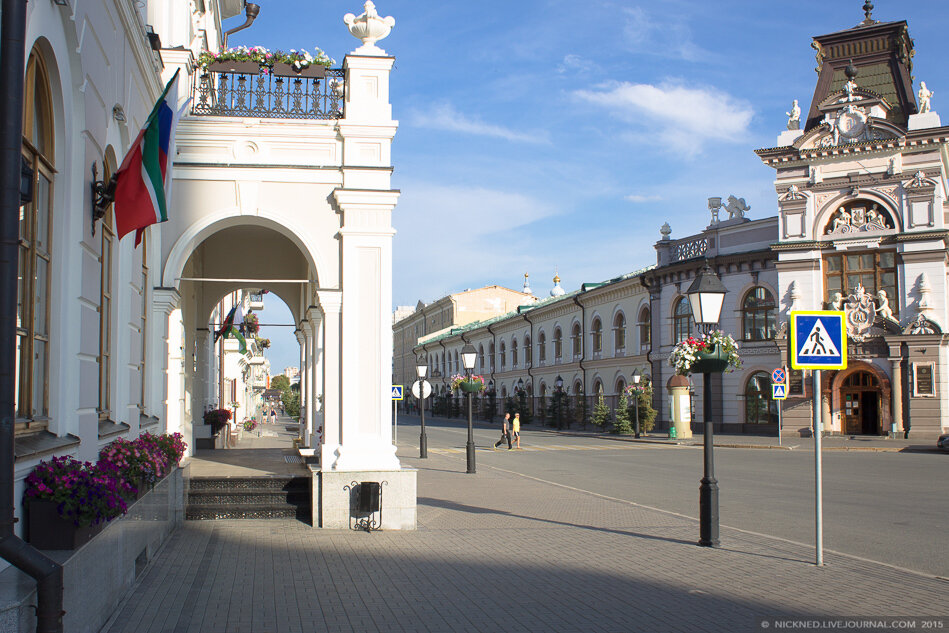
<point x="499" y="552"/>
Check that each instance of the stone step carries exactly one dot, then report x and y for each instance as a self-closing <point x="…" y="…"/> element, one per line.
<point x="247" y="511"/>
<point x="248" y="496"/>
<point x="249" y="483"/>
<point x="271" y="497"/>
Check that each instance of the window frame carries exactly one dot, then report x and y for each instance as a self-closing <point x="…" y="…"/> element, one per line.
<point x="877" y="272"/>
<point x="678" y="318"/>
<point x="750" y="316"/>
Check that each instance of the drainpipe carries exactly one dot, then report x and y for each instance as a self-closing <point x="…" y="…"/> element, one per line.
<point x="494" y="338"/>
<point x="530" y="366"/>
<point x="25" y="557"/>
<point x="583" y="343"/>
<point x="251" y="11"/>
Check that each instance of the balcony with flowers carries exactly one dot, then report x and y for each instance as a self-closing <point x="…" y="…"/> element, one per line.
<point x="257" y="82"/>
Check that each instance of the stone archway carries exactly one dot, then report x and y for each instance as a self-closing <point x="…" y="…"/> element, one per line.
<point x="855" y="393"/>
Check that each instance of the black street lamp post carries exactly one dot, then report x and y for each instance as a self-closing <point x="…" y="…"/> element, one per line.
<point x="421" y="368"/>
<point x="636" y="378"/>
<point x="468" y="354"/>
<point x="558" y="384"/>
<point x="706" y="295"/>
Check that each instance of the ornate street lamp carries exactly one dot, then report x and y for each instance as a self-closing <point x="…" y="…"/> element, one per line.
<point x="421" y="369"/>
<point x="468" y="355"/>
<point x="706" y="295"/>
<point x="636" y="378"/>
<point x="558" y="384"/>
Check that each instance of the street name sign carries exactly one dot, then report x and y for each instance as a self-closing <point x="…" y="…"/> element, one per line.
<point x="779" y="392"/>
<point x="396" y="392"/>
<point x="818" y="339"/>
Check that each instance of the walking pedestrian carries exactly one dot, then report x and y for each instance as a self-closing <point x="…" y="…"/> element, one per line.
<point x="517" y="430"/>
<point x="273" y="416"/>
<point x="505" y="433"/>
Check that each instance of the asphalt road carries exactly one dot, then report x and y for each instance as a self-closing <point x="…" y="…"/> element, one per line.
<point x="887" y="507"/>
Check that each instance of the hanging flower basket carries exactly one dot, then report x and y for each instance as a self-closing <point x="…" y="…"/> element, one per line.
<point x="712" y="362"/>
<point x="474" y="384"/>
<point x="715" y="352"/>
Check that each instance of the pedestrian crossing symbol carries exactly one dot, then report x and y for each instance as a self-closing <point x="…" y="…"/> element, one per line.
<point x="396" y="392"/>
<point x="818" y="340"/>
<point x="779" y="392"/>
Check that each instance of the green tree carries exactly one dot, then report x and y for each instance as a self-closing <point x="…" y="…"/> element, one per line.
<point x="280" y="382"/>
<point x="647" y="415"/>
<point x="621" y="424"/>
<point x="601" y="412"/>
<point x="291" y="403"/>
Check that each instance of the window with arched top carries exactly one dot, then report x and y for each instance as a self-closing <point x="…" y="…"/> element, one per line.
<point x="619" y="386"/>
<point x="682" y="320"/>
<point x="143" y="321"/>
<point x="528" y="352"/>
<point x="481" y="367"/>
<point x="542" y="347"/>
<point x="491" y="355"/>
<point x="619" y="333"/>
<point x="758" y="315"/>
<point x="645" y="327"/>
<point x="35" y="248"/>
<point x="558" y="344"/>
<point x="597" y="331"/>
<point x="759" y="407"/>
<point x="502" y="356"/>
<point x="513" y="353"/>
<point x="576" y="341"/>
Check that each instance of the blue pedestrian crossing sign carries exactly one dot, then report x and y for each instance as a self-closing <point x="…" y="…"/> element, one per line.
<point x="779" y="392"/>
<point x="396" y="392"/>
<point x="818" y="340"/>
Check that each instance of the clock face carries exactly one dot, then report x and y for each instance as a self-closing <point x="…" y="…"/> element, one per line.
<point x="851" y="124"/>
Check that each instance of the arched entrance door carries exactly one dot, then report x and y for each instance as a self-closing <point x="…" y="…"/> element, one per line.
<point x="860" y="396"/>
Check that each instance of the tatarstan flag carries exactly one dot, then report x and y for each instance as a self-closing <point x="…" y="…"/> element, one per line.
<point x="143" y="182"/>
<point x="233" y="326"/>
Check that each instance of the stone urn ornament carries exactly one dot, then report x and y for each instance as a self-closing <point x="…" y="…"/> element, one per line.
<point x="370" y="28"/>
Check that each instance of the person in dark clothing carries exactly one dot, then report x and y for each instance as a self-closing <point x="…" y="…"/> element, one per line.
<point x="505" y="432"/>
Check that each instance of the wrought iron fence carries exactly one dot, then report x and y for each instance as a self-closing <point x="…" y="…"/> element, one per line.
<point x="268" y="96"/>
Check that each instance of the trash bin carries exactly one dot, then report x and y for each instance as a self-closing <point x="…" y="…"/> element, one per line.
<point x="672" y="432"/>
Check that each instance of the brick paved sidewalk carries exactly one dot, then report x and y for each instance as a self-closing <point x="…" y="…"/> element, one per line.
<point x="500" y="552"/>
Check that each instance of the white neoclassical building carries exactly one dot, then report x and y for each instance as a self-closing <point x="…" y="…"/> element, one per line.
<point x="281" y="182"/>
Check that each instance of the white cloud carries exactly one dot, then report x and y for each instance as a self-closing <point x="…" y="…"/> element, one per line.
<point x="445" y="117"/>
<point x="576" y="64"/>
<point x="669" y="38"/>
<point x="635" y="197"/>
<point x="683" y="117"/>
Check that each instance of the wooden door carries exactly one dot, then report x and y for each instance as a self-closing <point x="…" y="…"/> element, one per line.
<point x="852" y="412"/>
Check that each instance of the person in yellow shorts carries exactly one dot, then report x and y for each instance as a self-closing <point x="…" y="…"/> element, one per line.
<point x="516" y="425"/>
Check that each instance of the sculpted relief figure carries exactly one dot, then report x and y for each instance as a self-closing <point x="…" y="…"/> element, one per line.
<point x="841" y="222"/>
<point x="794" y="116"/>
<point x="736" y="207"/>
<point x="925" y="95"/>
<point x="884" y="309"/>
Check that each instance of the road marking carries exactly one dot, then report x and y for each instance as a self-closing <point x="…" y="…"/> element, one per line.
<point x="542" y="448"/>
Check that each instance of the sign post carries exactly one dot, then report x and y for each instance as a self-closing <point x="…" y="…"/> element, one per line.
<point x="818" y="341"/>
<point x="779" y="378"/>
<point x="396" y="396"/>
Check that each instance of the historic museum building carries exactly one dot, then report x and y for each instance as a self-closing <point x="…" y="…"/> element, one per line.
<point x="861" y="193"/>
<point x="861" y="188"/>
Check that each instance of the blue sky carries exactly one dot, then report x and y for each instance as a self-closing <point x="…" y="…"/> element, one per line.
<point x="541" y="136"/>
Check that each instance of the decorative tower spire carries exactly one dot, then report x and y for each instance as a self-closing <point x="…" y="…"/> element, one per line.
<point x="867" y="11"/>
<point x="557" y="291"/>
<point x="527" y="286"/>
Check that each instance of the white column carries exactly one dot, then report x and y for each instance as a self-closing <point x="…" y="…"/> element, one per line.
<point x="331" y="304"/>
<point x="301" y="339"/>
<point x="314" y="433"/>
<point x="166" y="379"/>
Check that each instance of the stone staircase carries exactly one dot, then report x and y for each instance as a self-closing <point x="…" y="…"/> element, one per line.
<point x="269" y="497"/>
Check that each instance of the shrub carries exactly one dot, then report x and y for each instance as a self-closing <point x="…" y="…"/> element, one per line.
<point x="217" y="418"/>
<point x="250" y="424"/>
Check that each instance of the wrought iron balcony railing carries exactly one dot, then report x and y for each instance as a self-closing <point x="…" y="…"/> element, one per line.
<point x="268" y="95"/>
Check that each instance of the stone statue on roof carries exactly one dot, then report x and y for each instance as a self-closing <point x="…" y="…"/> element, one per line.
<point x="924" y="95"/>
<point x="736" y="207"/>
